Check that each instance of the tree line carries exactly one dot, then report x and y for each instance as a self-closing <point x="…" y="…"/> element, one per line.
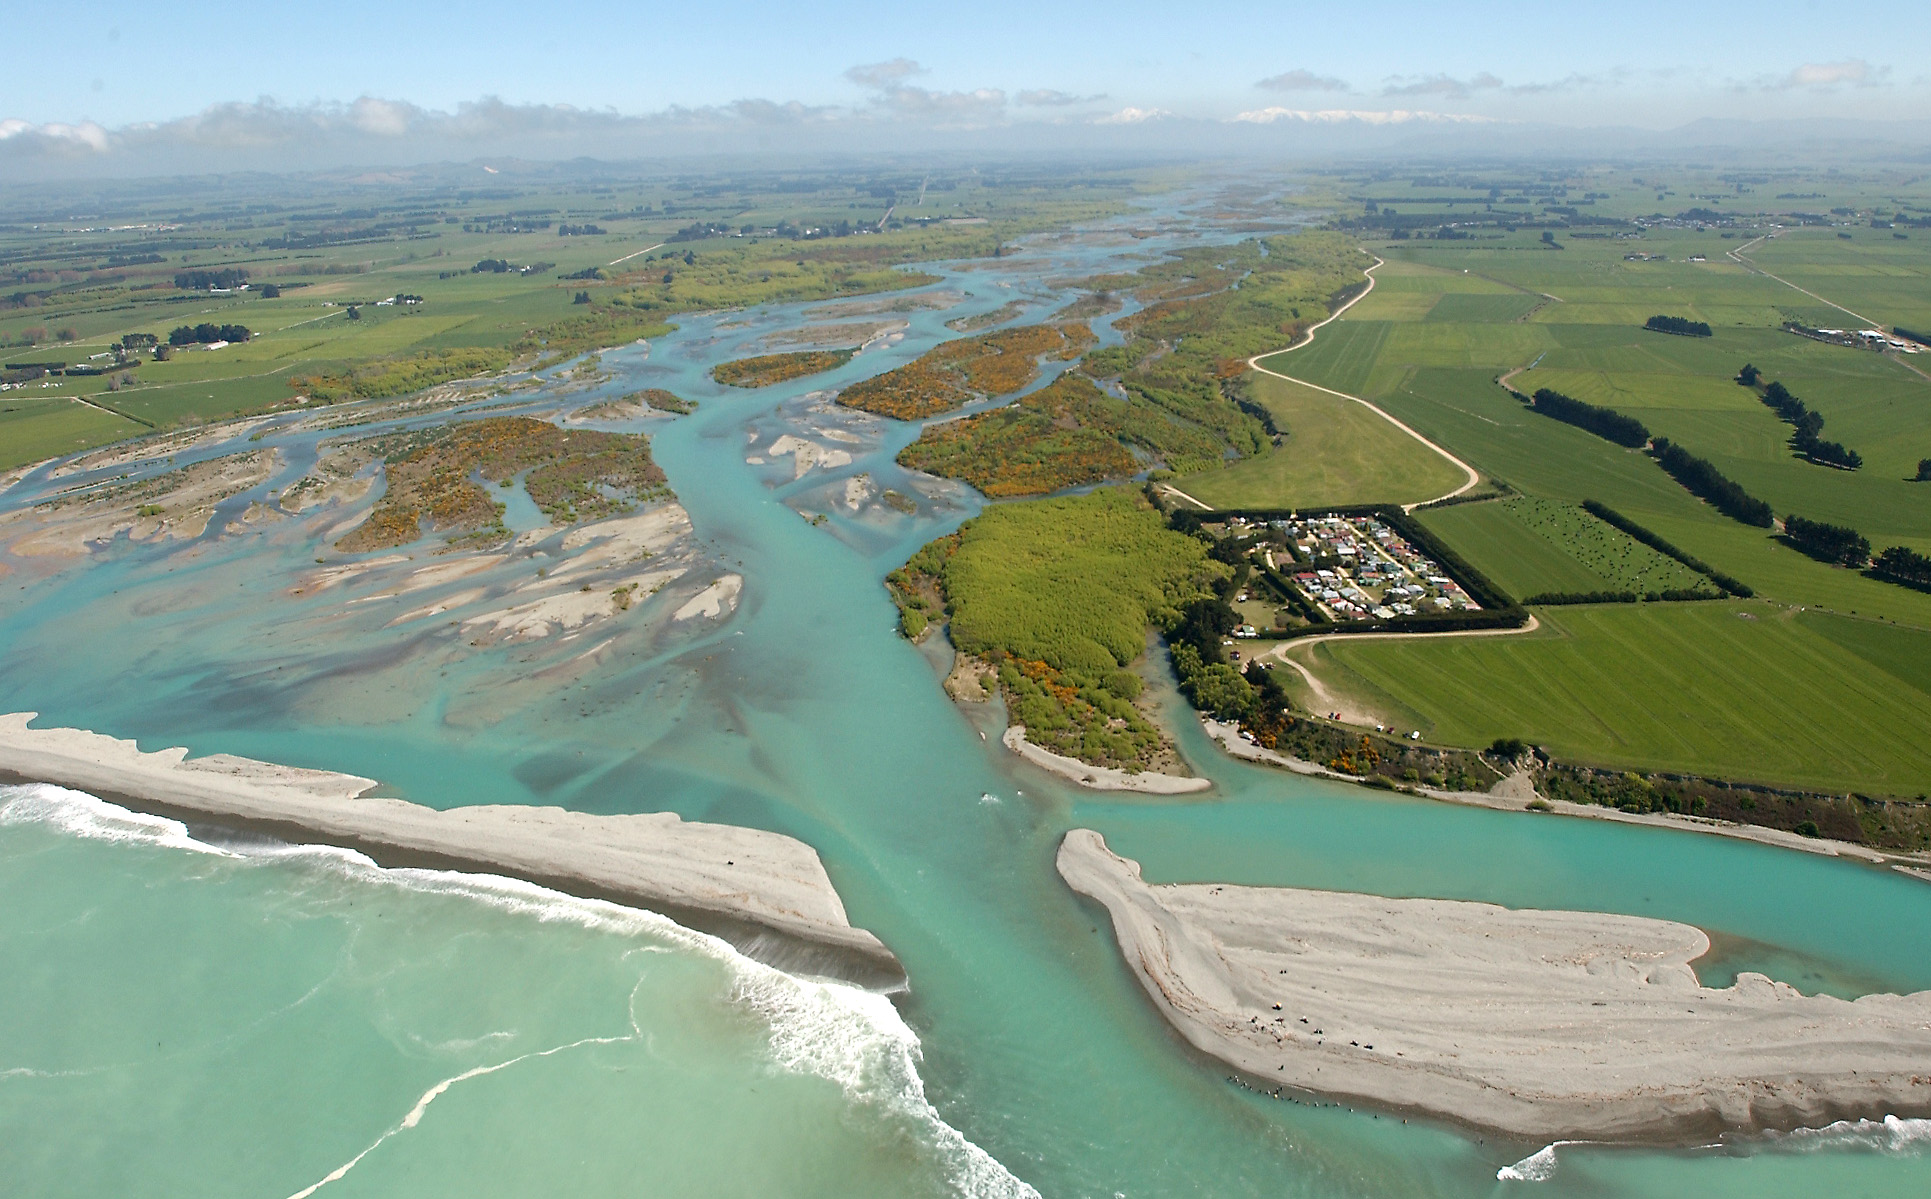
<point x="1548" y="599"/>
<point x="207" y="333"/>
<point x="1701" y="478"/>
<point x="1680" y="326"/>
<point x="1617" y="520"/>
<point x="1901" y="564"/>
<point x="1606" y="423"/>
<point x="227" y="277"/>
<point x="1840" y="545"/>
<point x="1806" y="421"/>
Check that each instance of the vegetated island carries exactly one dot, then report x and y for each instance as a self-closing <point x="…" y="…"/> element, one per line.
<point x="765" y="892"/>
<point x="1540" y="1025"/>
<point x="1051" y="602"/>
<point x="952" y="374"/>
<point x="571" y="475"/>
<point x="1066" y="434"/>
<point x="766" y="369"/>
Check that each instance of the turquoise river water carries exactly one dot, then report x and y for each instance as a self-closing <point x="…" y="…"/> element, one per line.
<point x="186" y="1014"/>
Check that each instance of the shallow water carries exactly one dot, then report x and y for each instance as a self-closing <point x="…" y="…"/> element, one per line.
<point x="183" y="1022"/>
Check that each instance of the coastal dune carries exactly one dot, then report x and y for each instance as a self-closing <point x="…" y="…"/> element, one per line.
<point x="766" y="893"/>
<point x="1538" y="1025"/>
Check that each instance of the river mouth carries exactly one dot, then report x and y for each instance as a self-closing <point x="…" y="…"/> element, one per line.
<point x="802" y="712"/>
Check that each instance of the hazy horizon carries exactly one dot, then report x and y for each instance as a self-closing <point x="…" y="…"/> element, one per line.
<point x="380" y="87"/>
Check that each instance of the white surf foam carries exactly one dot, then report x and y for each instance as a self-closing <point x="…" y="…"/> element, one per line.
<point x="847" y="1035"/>
<point x="82" y="815"/>
<point x="1889" y="1135"/>
<point x="1539" y="1166"/>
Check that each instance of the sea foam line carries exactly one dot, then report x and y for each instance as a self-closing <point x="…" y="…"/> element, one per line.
<point x="847" y="1035"/>
<point x="415" y="1114"/>
<point x="1891" y="1135"/>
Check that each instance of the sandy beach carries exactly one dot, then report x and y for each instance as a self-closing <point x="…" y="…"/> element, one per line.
<point x="1537" y="1025"/>
<point x="1100" y="778"/>
<point x="766" y="893"/>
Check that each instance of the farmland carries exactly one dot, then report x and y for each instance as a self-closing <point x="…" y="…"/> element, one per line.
<point x="357" y="289"/>
<point x="1534" y="547"/>
<point x="1748" y="691"/>
<point x="1792" y="691"/>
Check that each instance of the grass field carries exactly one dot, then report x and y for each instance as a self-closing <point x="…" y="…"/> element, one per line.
<point x="1336" y="452"/>
<point x="1747" y="691"/>
<point x="1826" y="686"/>
<point x="1532" y="546"/>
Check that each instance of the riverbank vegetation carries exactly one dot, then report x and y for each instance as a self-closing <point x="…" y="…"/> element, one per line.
<point x="1173" y="398"/>
<point x="1058" y="596"/>
<point x="1205" y="313"/>
<point x="1065" y="434"/>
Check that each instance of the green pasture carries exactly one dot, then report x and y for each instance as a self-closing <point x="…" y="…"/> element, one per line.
<point x="1737" y="690"/>
<point x="1826" y="685"/>
<point x="1531" y="546"/>
<point x="1336" y="452"/>
<point x="35" y="429"/>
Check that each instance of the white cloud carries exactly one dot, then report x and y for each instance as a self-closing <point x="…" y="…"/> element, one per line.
<point x="1133" y="116"/>
<point x="1046" y="97"/>
<point x="886" y="74"/>
<point x="1340" y="116"/>
<point x="1445" y="86"/>
<point x="899" y="98"/>
<point x="982" y="102"/>
<point x="1853" y="71"/>
<point x="84" y="136"/>
<point x="1302" y="80"/>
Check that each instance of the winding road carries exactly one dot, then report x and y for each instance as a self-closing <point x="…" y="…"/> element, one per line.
<point x="1347" y="713"/>
<point x="1254" y="363"/>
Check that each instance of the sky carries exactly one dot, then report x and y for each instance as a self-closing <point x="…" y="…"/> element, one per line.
<point x="141" y="81"/>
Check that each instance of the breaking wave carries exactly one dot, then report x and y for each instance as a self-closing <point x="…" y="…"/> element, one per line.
<point x="849" y="1036"/>
<point x="1889" y="1135"/>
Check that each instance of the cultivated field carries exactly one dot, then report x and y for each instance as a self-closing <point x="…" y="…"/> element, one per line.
<point x="1749" y="691"/>
<point x="1532" y="547"/>
<point x="1469" y="294"/>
